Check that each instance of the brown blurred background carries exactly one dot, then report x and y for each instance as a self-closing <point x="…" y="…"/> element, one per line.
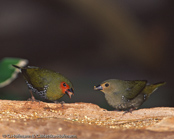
<point x="91" y="41"/>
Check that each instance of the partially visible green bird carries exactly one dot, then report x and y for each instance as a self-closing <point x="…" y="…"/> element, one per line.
<point x="48" y="84"/>
<point x="126" y="95"/>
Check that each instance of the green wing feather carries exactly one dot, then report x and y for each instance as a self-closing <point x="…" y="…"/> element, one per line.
<point x="7" y="72"/>
<point x="133" y="88"/>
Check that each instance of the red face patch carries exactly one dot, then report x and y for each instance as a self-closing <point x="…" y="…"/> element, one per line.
<point x="64" y="87"/>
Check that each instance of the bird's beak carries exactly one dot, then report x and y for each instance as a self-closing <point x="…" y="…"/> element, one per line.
<point x="69" y="92"/>
<point x="98" y="87"/>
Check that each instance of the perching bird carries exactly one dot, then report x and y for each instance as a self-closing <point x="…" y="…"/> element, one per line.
<point x="126" y="95"/>
<point x="47" y="84"/>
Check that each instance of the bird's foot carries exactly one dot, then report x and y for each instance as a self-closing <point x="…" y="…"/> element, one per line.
<point x="62" y="102"/>
<point x="130" y="110"/>
<point x="33" y="99"/>
<point x="126" y="112"/>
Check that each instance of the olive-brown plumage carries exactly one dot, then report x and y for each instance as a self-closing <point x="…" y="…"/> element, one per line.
<point x="126" y="95"/>
<point x="47" y="84"/>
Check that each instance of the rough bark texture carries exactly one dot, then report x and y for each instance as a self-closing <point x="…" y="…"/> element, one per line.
<point x="82" y="120"/>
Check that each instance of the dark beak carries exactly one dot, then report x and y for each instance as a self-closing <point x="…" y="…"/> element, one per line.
<point x="69" y="92"/>
<point x="98" y="87"/>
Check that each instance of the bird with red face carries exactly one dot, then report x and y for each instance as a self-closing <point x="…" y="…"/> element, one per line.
<point x="48" y="84"/>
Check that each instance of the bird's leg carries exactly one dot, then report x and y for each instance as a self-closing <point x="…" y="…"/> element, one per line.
<point x="132" y="109"/>
<point x="32" y="97"/>
<point x="62" y="102"/>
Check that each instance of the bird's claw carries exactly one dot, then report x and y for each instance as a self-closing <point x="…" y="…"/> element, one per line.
<point x="130" y="110"/>
<point x="33" y="99"/>
<point x="62" y="102"/>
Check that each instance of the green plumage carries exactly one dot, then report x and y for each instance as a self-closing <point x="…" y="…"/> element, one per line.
<point x="126" y="95"/>
<point x="45" y="83"/>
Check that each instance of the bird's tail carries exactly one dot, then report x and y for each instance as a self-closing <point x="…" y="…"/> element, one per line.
<point x="149" y="89"/>
<point x="156" y="85"/>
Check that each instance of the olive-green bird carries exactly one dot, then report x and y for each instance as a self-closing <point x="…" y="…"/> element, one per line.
<point x="126" y="95"/>
<point x="47" y="84"/>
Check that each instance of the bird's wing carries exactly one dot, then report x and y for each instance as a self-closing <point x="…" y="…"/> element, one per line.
<point x="133" y="88"/>
<point x="35" y="77"/>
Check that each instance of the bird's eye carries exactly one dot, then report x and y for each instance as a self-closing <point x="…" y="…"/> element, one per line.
<point x="106" y="85"/>
<point x="64" y="84"/>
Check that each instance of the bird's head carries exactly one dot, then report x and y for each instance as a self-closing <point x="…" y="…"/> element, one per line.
<point x="107" y="86"/>
<point x="67" y="88"/>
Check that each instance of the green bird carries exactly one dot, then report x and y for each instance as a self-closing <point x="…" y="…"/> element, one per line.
<point x="48" y="84"/>
<point x="126" y="95"/>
